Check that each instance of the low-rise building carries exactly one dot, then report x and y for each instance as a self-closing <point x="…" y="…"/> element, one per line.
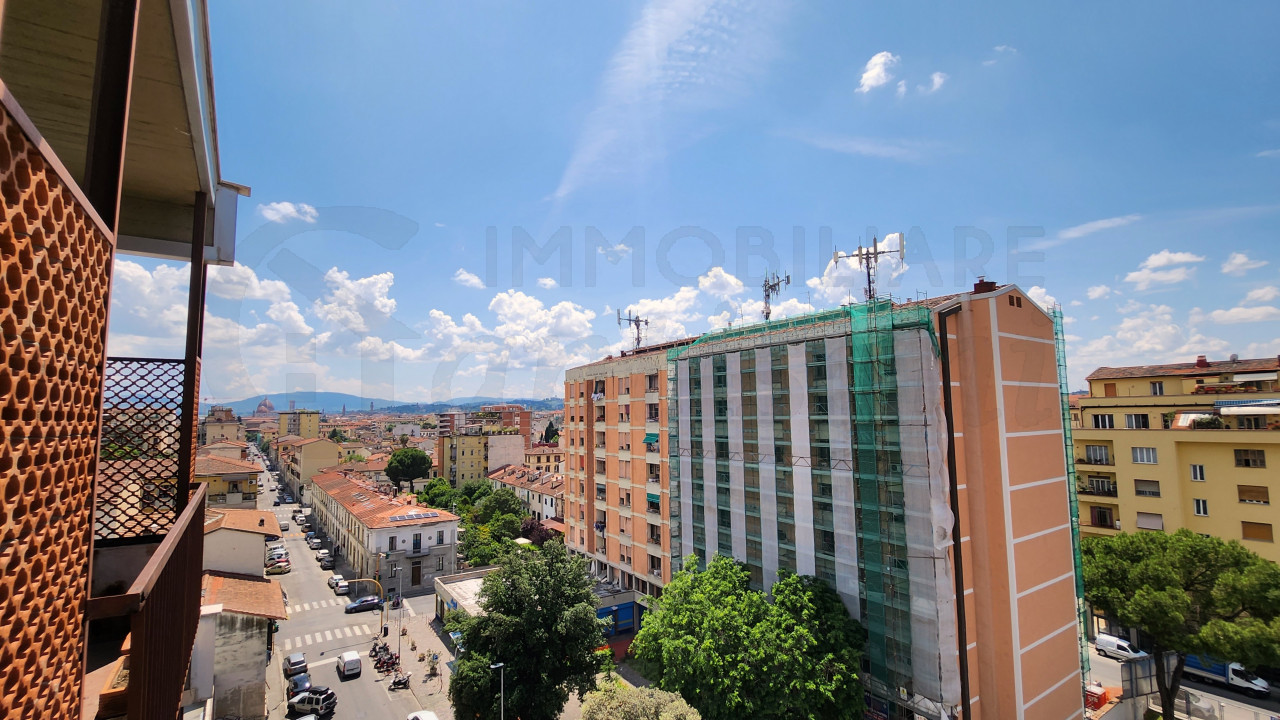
<point x="233" y="449"/>
<point x="471" y="453"/>
<point x="374" y="532"/>
<point x="220" y="424"/>
<point x="545" y="457"/>
<point x="300" y="460"/>
<point x="233" y="483"/>
<point x="234" y="540"/>
<point x="541" y="492"/>
<point x="233" y="642"/>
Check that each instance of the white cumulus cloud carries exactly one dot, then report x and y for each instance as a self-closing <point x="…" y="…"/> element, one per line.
<point x="719" y="283"/>
<point x="281" y="212"/>
<point x="668" y="315"/>
<point x="468" y="279"/>
<point x="1167" y="258"/>
<point x="1238" y="264"/>
<point x="238" y="282"/>
<point x="936" y="81"/>
<point x="1163" y="268"/>
<point x="1099" y="292"/>
<point x="1237" y="315"/>
<point x="547" y="283"/>
<point x="876" y="72"/>
<point x="1042" y="297"/>
<point x="1261" y="295"/>
<point x="846" y="279"/>
<point x="355" y="305"/>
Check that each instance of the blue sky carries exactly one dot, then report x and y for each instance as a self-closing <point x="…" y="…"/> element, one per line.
<point x="456" y="198"/>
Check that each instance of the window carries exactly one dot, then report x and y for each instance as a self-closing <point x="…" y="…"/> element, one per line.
<point x="1197" y="473"/>
<point x="1254" y="494"/>
<point x="1140" y="421"/>
<point x="1202" y="507"/>
<point x="391" y="543"/>
<point x="1103" y="421"/>
<point x="1109" y="390"/>
<point x="1251" y="459"/>
<point x="1146" y="488"/>
<point x="1097" y="454"/>
<point x="1256" y="531"/>
<point x="1253" y="422"/>
<point x="1101" y="516"/>
<point x="439" y="537"/>
<point x="1144" y="455"/>
<point x="439" y="563"/>
<point x="1157" y="387"/>
<point x="1150" y="521"/>
<point x="417" y="542"/>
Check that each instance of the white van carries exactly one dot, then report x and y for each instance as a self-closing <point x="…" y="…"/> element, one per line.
<point x="349" y="664"/>
<point x="1118" y="648"/>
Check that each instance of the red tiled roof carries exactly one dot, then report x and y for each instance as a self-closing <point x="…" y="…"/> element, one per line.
<point x="243" y="594"/>
<point x="216" y="465"/>
<point x="1217" y="367"/>
<point x="244" y="520"/>
<point x="523" y="476"/>
<point x="224" y="441"/>
<point x="371" y="507"/>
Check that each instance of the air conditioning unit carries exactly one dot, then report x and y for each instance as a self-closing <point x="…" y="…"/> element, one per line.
<point x="1117" y="524"/>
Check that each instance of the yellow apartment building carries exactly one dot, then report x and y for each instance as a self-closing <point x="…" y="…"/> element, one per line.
<point x="1162" y="447"/>
<point x="303" y="423"/>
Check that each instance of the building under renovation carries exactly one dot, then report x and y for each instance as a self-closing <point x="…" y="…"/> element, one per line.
<point x="862" y="445"/>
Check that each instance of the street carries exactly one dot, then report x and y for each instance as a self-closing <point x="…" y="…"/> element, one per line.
<point x="1230" y="705"/>
<point x="319" y="628"/>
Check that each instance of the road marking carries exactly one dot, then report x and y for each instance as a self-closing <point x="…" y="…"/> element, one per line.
<point x="306" y="606"/>
<point x="297" y="641"/>
<point x="297" y="608"/>
<point x="288" y="645"/>
<point x="328" y="636"/>
<point x="347" y="630"/>
<point x="408" y="607"/>
<point x="365" y="629"/>
<point x="308" y="637"/>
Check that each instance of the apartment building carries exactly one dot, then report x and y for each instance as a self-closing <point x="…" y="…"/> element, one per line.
<point x="471" y="453"/>
<point x="374" y="532"/>
<point x="302" y="460"/>
<point x="230" y="482"/>
<point x="541" y="492"/>
<point x="108" y="146"/>
<point x="617" y="508"/>
<point x="303" y="423"/>
<point x="491" y="419"/>
<point x="861" y="445"/>
<point x="545" y="457"/>
<point x="1163" y="447"/>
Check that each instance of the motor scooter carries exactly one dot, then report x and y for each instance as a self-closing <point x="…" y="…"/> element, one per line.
<point x="401" y="680"/>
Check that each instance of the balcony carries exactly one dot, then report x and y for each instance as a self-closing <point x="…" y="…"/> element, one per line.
<point x="1104" y="460"/>
<point x="1097" y="488"/>
<point x="149" y="628"/>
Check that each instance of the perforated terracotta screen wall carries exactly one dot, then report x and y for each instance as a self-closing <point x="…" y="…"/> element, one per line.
<point x="55" y="265"/>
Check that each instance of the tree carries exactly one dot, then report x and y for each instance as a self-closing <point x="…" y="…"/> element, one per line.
<point x="1190" y="594"/>
<point x="536" y="532"/>
<point x="627" y="703"/>
<point x="480" y="547"/>
<point x="476" y="490"/>
<point x="337" y="435"/>
<point x="503" y="501"/>
<point x="408" y="464"/>
<point x="404" y="440"/>
<point x="437" y="494"/>
<point x="731" y="653"/>
<point x="548" y="647"/>
<point x="549" y="433"/>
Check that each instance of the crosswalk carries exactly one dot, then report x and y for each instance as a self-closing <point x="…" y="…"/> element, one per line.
<point x="321" y="636"/>
<point x="331" y="602"/>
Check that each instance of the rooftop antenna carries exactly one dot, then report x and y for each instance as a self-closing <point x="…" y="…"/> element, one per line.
<point x="636" y="321"/>
<point x="773" y="284"/>
<point x="868" y="258"/>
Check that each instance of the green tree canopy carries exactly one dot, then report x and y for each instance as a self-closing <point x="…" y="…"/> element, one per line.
<point x="337" y="435"/>
<point x="502" y="501"/>
<point x="1190" y="594"/>
<point x="476" y="490"/>
<point x="437" y="494"/>
<point x="539" y="621"/>
<point x="549" y="433"/>
<point x="627" y="703"/>
<point x="408" y="464"/>
<point x="731" y="653"/>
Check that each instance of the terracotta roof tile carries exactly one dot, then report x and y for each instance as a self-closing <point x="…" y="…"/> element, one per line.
<point x="245" y="520"/>
<point x="1188" y="368"/>
<point x="243" y="594"/>
<point x="216" y="465"/>
<point x="371" y="507"/>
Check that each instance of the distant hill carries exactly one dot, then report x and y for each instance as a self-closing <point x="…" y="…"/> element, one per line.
<point x="331" y="402"/>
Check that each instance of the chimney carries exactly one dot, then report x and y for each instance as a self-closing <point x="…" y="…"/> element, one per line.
<point x="1235" y="357"/>
<point x="1202" y="361"/>
<point x="983" y="285"/>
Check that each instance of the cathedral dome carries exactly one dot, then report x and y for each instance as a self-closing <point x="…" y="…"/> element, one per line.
<point x="265" y="407"/>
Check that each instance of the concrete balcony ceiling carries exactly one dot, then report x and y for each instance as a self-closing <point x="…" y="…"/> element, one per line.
<point x="48" y="61"/>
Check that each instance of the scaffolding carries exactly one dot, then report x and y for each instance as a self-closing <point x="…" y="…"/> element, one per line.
<point x="1060" y="346"/>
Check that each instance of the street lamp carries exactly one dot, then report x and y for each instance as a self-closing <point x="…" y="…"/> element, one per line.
<point x="502" y="689"/>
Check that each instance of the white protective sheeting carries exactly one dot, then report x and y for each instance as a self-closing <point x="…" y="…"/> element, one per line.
<point x="842" y="496"/>
<point x="686" y="465"/>
<point x="768" y="476"/>
<point x="801" y="472"/>
<point x="709" y="522"/>
<point x="737" y="481"/>
<point x="929" y="519"/>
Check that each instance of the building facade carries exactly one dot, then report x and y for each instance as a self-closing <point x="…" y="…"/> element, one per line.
<point x="1186" y="445"/>
<point x="391" y="539"/>
<point x="232" y="483"/>
<point x="303" y="423"/>
<point x="541" y="492"/>
<point x="469" y="454"/>
<point x="302" y="459"/>
<point x="617" y="505"/>
<point x="545" y="457"/>
<point x="861" y="445"/>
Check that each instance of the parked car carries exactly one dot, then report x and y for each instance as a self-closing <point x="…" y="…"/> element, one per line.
<point x="299" y="683"/>
<point x="1118" y="648"/>
<point x="334" y="580"/>
<point x="279" y="568"/>
<point x="275" y="562"/>
<point x="327" y="564"/>
<point x="276" y="501"/>
<point x="342" y="588"/>
<point x="310" y="535"/>
<point x="1195" y="706"/>
<point x="420" y="715"/>
<point x="321" y="554"/>
<point x="1227" y="674"/>
<point x="319" y="700"/>
<point x="349" y="664"/>
<point x="294" y="664"/>
<point x="288" y="498"/>
<point x="368" y="602"/>
<point x="284" y="524"/>
<point x="314" y="543"/>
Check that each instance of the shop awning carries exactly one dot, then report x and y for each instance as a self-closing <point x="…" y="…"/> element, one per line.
<point x="1261" y="408"/>
<point x="650" y="438"/>
<point x="1254" y="377"/>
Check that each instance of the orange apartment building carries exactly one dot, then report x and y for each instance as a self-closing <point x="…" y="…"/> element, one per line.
<point x="108" y="146"/>
<point x="617" y="508"/>
<point x="863" y="445"/>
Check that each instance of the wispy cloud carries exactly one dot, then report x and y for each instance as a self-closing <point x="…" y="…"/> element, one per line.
<point x="547" y="283"/>
<point x="1238" y="264"/>
<point x="1000" y="50"/>
<point x="679" y="57"/>
<point x="282" y="212"/>
<point x="903" y="150"/>
<point x="876" y="72"/>
<point x="1093" y="226"/>
<point x="1163" y="268"/>
<point x="1099" y="292"/>
<point x="467" y="279"/>
<point x="1269" y="153"/>
<point x="936" y="81"/>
